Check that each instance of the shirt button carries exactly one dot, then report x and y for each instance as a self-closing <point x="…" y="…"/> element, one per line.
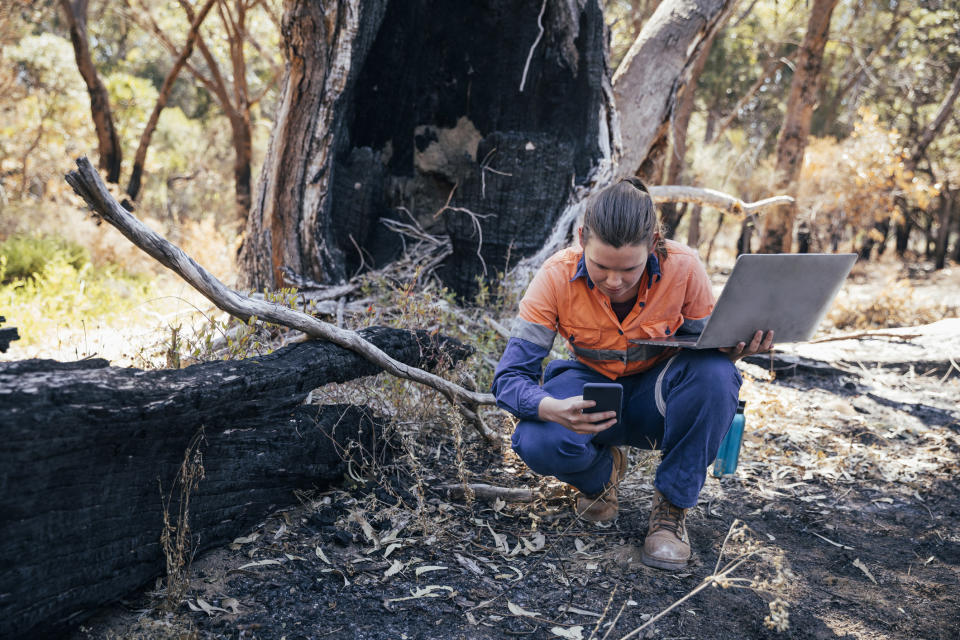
<point x="642" y="304"/>
<point x="620" y="331"/>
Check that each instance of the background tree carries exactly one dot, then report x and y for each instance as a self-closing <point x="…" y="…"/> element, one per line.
<point x="804" y="91"/>
<point x="111" y="155"/>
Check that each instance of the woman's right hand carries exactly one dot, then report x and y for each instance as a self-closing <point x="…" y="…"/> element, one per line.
<point x="569" y="413"/>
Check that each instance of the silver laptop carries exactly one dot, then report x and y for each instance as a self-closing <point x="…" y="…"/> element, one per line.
<point x="788" y="293"/>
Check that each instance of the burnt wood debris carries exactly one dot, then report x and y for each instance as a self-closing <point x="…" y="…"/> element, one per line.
<point x="7" y="335"/>
<point x="89" y="449"/>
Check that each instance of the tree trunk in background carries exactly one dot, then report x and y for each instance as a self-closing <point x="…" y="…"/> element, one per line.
<point x="108" y="141"/>
<point x="943" y="229"/>
<point x="658" y="64"/>
<point x="140" y="158"/>
<point x="930" y="132"/>
<point x="792" y="141"/>
<point x="416" y="106"/>
<point x="670" y="212"/>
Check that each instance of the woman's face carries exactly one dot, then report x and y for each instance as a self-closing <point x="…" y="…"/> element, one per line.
<point x="615" y="271"/>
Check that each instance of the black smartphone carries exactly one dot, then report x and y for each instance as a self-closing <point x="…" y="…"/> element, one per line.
<point x="608" y="396"/>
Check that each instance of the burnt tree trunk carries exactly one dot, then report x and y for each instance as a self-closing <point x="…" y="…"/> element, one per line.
<point x="777" y="234"/>
<point x="107" y="139"/>
<point x="87" y="448"/>
<point x="417" y="106"/>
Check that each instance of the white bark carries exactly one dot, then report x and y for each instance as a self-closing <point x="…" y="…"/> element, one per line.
<point x="656" y="66"/>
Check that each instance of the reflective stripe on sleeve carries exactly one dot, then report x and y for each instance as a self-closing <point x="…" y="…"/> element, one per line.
<point x="533" y="332"/>
<point x="636" y="353"/>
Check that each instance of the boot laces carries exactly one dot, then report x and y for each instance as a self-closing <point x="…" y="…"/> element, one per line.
<point x="666" y="516"/>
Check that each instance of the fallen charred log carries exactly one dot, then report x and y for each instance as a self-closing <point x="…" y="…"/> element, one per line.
<point x="89" y="450"/>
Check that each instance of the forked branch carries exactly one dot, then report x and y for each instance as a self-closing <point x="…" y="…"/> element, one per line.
<point x="86" y="181"/>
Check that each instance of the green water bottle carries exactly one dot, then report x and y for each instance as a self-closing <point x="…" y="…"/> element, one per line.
<point x="729" y="453"/>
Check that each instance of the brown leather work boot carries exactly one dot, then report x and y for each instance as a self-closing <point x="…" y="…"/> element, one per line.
<point x="667" y="545"/>
<point x="603" y="506"/>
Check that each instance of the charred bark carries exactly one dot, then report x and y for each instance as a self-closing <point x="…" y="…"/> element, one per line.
<point x="450" y="137"/>
<point x="7" y="335"/>
<point x="86" y="444"/>
<point x="777" y="234"/>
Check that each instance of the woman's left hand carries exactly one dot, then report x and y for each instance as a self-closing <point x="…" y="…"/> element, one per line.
<point x="759" y="344"/>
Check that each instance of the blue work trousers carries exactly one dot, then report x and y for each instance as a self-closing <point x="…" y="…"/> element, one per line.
<point x="683" y="406"/>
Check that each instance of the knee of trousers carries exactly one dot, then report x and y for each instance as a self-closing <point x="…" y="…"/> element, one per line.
<point x="711" y="370"/>
<point x="547" y="452"/>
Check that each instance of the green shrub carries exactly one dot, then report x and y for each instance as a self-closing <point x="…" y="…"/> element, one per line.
<point x="26" y="256"/>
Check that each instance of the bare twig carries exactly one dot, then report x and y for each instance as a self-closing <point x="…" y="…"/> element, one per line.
<point x="526" y="67"/>
<point x="90" y="186"/>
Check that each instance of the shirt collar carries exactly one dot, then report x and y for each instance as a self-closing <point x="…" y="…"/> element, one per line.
<point x="652" y="269"/>
<point x="582" y="271"/>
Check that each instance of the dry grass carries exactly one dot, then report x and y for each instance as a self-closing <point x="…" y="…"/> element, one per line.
<point x="175" y="540"/>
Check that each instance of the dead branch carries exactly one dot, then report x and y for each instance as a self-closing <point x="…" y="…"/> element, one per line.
<point x="906" y="337"/>
<point x="490" y="492"/>
<point x="714" y="198"/>
<point x="87" y="183"/>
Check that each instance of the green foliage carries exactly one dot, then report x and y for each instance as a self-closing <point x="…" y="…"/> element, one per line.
<point x="63" y="295"/>
<point x="25" y="256"/>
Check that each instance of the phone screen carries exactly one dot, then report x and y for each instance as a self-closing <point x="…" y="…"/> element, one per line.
<point x="607" y="395"/>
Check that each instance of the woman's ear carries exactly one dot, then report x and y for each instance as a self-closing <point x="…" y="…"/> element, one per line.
<point x="580" y="235"/>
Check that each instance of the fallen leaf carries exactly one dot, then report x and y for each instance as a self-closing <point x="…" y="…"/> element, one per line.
<point x="517" y="610"/>
<point x="260" y="563"/>
<point x="536" y="543"/>
<point x="365" y="527"/>
<point x="498" y="505"/>
<point x="429" y="591"/>
<point x="280" y="531"/>
<point x="390" y="549"/>
<point x="233" y="604"/>
<point x="471" y="566"/>
<point x="421" y="570"/>
<point x="574" y="633"/>
<point x="207" y="607"/>
<point x="570" y="609"/>
<point x="394" y="569"/>
<point x="322" y="555"/>
<point x="246" y="539"/>
<point x="859" y="565"/>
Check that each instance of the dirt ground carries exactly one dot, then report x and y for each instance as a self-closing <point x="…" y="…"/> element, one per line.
<point x="845" y="510"/>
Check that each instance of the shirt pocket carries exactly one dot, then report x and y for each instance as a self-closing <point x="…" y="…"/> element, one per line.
<point x="584" y="341"/>
<point x="655" y="328"/>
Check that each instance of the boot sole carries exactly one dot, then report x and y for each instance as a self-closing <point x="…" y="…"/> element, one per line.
<point x="650" y="561"/>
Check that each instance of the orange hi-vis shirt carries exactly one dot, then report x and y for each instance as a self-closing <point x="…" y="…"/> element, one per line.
<point x="674" y="296"/>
